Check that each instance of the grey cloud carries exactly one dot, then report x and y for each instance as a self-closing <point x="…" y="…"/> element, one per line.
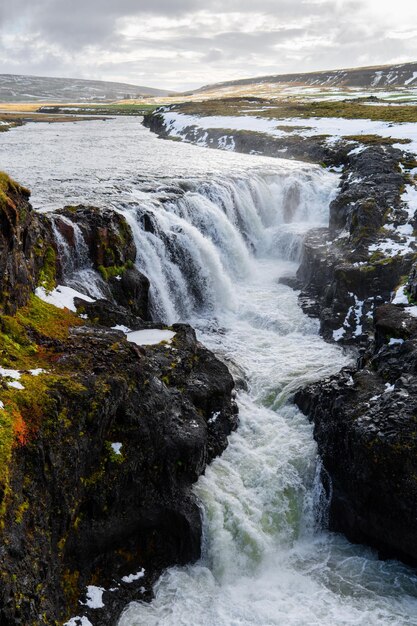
<point x="197" y="43"/>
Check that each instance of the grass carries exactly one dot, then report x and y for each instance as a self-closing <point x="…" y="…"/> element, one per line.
<point x="100" y="109"/>
<point x="375" y="139"/>
<point x="291" y="108"/>
<point x="9" y="186"/>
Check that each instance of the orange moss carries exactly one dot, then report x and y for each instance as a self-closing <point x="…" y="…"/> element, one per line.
<point x="20" y="430"/>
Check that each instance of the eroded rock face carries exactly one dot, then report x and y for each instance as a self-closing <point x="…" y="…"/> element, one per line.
<point x="102" y="239"/>
<point x="102" y="440"/>
<point x="365" y="426"/>
<point x="354" y="265"/>
<point x="365" y="417"/>
<point x="310" y="149"/>
<point x="96" y="515"/>
<point x="27" y="254"/>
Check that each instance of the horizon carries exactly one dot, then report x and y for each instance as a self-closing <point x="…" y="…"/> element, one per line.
<point x="183" y="47"/>
<point x="173" y="90"/>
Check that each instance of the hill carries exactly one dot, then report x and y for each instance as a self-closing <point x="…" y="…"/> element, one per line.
<point x="380" y="76"/>
<point x="19" y="88"/>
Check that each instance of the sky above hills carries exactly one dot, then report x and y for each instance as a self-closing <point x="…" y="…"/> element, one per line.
<point x="181" y="44"/>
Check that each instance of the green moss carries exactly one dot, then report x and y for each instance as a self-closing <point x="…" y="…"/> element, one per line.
<point x="376" y="256"/>
<point x="114" y="270"/>
<point x="47" y="276"/>
<point x="7" y="187"/>
<point x="46" y="319"/>
<point x="21" y="511"/>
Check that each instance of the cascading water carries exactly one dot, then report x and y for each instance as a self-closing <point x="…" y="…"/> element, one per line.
<point x="214" y="237"/>
<point x="77" y="267"/>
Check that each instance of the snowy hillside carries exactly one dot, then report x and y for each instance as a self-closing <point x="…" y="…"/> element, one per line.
<point x="378" y="76"/>
<point x="17" y="88"/>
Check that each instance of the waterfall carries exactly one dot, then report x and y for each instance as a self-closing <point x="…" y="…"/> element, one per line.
<point x="198" y="244"/>
<point x="76" y="264"/>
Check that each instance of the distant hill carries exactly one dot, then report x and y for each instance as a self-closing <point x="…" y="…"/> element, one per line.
<point x="18" y="88"/>
<point x="404" y="75"/>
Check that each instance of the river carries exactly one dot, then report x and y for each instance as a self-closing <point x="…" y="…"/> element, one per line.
<point x="224" y="228"/>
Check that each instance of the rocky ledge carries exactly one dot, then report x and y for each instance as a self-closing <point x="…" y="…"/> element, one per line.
<point x="358" y="277"/>
<point x="101" y="438"/>
<point x="365" y="424"/>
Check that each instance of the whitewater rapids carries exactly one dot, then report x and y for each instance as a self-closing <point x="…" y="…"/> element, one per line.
<point x="214" y="232"/>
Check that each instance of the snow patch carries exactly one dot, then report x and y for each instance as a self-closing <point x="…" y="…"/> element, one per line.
<point x="339" y="333"/>
<point x="15" y="384"/>
<point x="10" y="373"/>
<point x="132" y="577"/>
<point x="411" y="80"/>
<point x="62" y="297"/>
<point x="94" y="597"/>
<point x="214" y="417"/>
<point x="124" y="329"/>
<point x="394" y="342"/>
<point x="78" y="621"/>
<point x="37" y="371"/>
<point x="117" y="447"/>
<point x="400" y="296"/>
<point x="357" y="150"/>
<point x="150" y="337"/>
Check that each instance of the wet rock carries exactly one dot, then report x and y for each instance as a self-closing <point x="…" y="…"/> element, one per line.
<point x="111" y="251"/>
<point x="105" y="441"/>
<point x="344" y="270"/>
<point x="365" y="427"/>
<point x="27" y="252"/>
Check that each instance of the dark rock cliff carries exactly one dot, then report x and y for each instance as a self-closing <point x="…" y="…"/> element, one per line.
<point x="358" y="261"/>
<point x="25" y="248"/>
<point x="101" y="440"/>
<point x="365" y="417"/>
<point x="365" y="426"/>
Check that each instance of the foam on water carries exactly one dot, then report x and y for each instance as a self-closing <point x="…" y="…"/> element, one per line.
<point x="214" y="232"/>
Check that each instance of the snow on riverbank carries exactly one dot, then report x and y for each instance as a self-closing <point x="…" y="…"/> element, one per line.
<point x="335" y="127"/>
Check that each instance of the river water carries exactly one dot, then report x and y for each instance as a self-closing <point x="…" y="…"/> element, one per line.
<point x="224" y="229"/>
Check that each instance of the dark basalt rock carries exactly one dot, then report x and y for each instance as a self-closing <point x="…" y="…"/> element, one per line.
<point x="110" y="250"/>
<point x="365" y="427"/>
<point x="95" y="515"/>
<point x="342" y="281"/>
<point x="26" y="246"/>
<point x="75" y="509"/>
<point x="365" y="417"/>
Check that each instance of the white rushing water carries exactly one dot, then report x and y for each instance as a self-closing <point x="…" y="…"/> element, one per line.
<point x="214" y="233"/>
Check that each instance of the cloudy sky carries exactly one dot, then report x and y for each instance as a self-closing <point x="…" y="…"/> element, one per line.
<point x="179" y="44"/>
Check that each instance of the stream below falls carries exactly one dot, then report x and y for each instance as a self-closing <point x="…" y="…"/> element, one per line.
<point x="225" y="228"/>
